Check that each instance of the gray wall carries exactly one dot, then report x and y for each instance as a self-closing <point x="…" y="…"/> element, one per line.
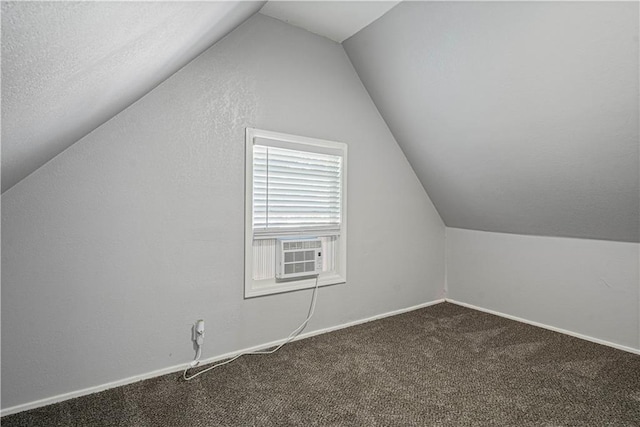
<point x="518" y="117"/>
<point x="589" y="287"/>
<point x="113" y="248"/>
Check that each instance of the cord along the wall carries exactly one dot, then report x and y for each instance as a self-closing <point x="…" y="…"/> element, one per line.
<point x="290" y="338"/>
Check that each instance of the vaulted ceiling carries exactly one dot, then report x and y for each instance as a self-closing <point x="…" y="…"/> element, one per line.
<point x="336" y="20"/>
<point x="518" y="117"/>
<point x="67" y="67"/>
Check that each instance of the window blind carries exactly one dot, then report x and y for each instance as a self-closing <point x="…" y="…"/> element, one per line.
<point x="295" y="190"/>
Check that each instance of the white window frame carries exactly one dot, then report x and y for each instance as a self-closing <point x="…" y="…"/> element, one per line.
<point x="255" y="288"/>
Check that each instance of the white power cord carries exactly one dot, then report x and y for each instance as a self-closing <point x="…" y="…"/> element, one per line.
<point x="290" y="338"/>
<point x="196" y="361"/>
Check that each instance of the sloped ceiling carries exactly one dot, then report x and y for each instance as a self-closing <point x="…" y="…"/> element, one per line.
<point x="336" y="20"/>
<point x="68" y="67"/>
<point x="518" y="117"/>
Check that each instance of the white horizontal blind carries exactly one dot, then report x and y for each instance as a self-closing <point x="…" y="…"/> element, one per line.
<point x="295" y="190"/>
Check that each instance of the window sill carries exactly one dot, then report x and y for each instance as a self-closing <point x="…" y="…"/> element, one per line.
<point x="257" y="288"/>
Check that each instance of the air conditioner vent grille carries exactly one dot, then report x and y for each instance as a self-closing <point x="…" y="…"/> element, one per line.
<point x="296" y="258"/>
<point x="306" y="244"/>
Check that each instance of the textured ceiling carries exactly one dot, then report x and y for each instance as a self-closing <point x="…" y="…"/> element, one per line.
<point x="68" y="67"/>
<point x="518" y="117"/>
<point x="336" y="20"/>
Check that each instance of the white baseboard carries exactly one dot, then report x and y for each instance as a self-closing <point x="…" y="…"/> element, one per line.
<point x="551" y="328"/>
<point x="178" y="368"/>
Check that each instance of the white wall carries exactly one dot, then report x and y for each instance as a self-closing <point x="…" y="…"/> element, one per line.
<point x="589" y="287"/>
<point x="113" y="248"/>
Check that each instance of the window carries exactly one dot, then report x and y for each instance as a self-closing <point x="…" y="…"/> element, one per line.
<point x="295" y="190"/>
<point x="295" y="187"/>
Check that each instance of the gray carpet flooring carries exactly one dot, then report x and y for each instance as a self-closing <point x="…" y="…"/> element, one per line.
<point x="442" y="365"/>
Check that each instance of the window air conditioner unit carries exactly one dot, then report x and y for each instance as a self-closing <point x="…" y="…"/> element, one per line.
<point x="298" y="257"/>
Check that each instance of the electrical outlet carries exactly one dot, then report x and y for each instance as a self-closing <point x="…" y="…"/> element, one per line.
<point x="199" y="331"/>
